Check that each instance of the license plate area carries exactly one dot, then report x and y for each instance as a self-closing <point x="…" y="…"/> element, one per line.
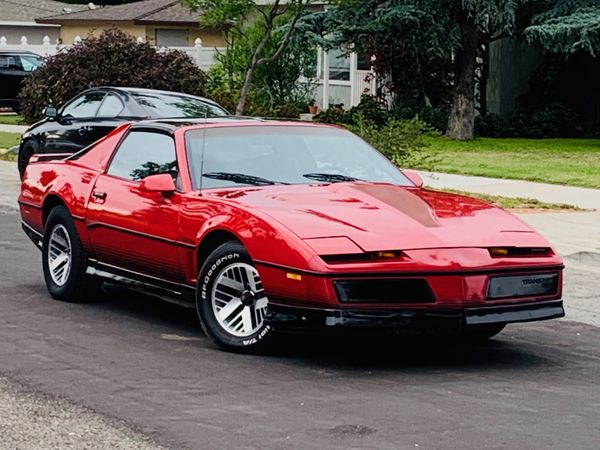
<point x="522" y="286"/>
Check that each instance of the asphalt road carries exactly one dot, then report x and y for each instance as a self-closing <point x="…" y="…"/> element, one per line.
<point x="142" y="373"/>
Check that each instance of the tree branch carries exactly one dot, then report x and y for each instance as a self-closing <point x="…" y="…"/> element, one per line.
<point x="286" y="38"/>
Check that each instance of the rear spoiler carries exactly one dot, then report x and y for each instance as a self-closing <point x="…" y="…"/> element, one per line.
<point x="41" y="157"/>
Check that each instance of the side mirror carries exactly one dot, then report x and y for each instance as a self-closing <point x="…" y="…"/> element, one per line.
<point x="162" y="182"/>
<point x="414" y="177"/>
<point x="51" y="112"/>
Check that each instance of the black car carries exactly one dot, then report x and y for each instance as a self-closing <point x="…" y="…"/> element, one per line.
<point x="96" y="112"/>
<point x="15" y="66"/>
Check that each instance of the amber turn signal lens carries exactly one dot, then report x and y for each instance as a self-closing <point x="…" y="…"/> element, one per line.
<point x="294" y="276"/>
<point x="387" y="255"/>
<point x="498" y="251"/>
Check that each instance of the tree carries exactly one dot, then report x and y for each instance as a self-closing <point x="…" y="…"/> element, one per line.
<point x="236" y="14"/>
<point x="426" y="41"/>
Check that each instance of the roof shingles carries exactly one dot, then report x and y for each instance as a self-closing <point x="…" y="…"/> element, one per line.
<point x="144" y="12"/>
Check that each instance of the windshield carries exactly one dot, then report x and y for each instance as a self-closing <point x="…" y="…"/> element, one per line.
<point x="265" y="155"/>
<point x="161" y="105"/>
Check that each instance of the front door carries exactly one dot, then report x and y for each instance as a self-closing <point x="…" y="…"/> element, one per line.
<point x="71" y="131"/>
<point x="130" y="228"/>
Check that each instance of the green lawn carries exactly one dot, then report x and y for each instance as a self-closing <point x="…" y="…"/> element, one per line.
<point x="7" y="140"/>
<point x="561" y="161"/>
<point x="519" y="203"/>
<point x="12" y="119"/>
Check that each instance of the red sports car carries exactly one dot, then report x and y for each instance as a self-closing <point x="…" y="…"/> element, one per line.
<point x="266" y="226"/>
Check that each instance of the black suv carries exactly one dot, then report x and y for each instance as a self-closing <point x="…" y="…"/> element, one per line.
<point x="14" y="67"/>
<point x="95" y="112"/>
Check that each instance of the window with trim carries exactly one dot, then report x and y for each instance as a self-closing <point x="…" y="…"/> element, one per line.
<point x="84" y="106"/>
<point x="339" y="65"/>
<point x="111" y="106"/>
<point x="144" y="153"/>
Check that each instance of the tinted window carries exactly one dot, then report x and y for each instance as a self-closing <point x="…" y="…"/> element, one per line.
<point x="111" y="106"/>
<point x="31" y="62"/>
<point x="142" y="154"/>
<point x="84" y="106"/>
<point x="285" y="154"/>
<point x="10" y="62"/>
<point x="170" y="105"/>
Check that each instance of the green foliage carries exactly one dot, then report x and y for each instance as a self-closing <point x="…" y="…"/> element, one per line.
<point x="219" y="12"/>
<point x="567" y="26"/>
<point x="258" y="37"/>
<point x="402" y="141"/>
<point x="554" y="120"/>
<point x="375" y="112"/>
<point x="112" y="59"/>
<point x="275" y="87"/>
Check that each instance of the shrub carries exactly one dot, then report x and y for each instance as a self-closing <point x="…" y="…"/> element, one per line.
<point x="112" y="59"/>
<point x="402" y="141"/>
<point x="554" y="120"/>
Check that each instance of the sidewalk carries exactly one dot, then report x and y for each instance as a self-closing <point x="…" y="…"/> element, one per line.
<point x="549" y="193"/>
<point x="13" y="128"/>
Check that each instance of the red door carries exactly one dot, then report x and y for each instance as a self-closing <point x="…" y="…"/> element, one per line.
<point x="131" y="228"/>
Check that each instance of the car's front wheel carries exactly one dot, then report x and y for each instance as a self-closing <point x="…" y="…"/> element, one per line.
<point x="231" y="301"/>
<point x="64" y="260"/>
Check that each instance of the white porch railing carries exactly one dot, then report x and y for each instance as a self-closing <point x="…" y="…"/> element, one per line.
<point x="204" y="57"/>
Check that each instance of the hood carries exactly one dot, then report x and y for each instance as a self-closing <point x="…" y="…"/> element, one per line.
<point x="378" y="216"/>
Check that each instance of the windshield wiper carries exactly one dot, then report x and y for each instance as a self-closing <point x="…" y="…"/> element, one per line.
<point x="240" y="178"/>
<point x="329" y="177"/>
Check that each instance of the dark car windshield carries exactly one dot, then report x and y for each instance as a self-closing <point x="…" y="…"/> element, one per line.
<point x="263" y="155"/>
<point x="162" y="105"/>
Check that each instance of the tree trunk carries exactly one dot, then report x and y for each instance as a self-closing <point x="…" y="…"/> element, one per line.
<point x="241" y="104"/>
<point x="461" y="122"/>
<point x="483" y="81"/>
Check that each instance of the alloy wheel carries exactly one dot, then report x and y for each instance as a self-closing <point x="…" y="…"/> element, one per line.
<point x="238" y="300"/>
<point x="59" y="255"/>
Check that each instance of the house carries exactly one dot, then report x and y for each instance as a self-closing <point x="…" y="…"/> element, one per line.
<point x="164" y="23"/>
<point x="18" y="20"/>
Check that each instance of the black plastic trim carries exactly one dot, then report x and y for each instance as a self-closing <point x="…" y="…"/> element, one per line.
<point x="295" y="317"/>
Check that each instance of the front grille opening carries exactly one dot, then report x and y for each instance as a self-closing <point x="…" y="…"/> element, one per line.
<point x="384" y="290"/>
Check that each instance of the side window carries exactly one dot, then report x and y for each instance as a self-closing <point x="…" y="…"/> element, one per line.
<point x="142" y="154"/>
<point x="111" y="106"/>
<point x="10" y="62"/>
<point x="30" y="62"/>
<point x="84" y="106"/>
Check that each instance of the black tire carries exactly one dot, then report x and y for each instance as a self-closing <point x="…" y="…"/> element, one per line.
<point x="27" y="150"/>
<point x="483" y="332"/>
<point x="77" y="286"/>
<point x="231" y="255"/>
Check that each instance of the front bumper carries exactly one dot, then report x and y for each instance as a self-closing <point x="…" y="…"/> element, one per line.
<point x="287" y="317"/>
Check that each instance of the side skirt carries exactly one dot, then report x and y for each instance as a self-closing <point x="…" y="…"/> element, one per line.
<point x="179" y="294"/>
<point x="32" y="234"/>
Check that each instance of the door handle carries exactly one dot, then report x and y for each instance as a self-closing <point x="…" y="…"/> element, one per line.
<point x="99" y="195"/>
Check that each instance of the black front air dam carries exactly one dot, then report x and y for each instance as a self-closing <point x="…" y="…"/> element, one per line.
<point x="294" y="317"/>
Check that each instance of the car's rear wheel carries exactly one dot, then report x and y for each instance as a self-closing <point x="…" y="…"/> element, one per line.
<point x="483" y="332"/>
<point x="27" y="150"/>
<point x="231" y="301"/>
<point x="64" y="260"/>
